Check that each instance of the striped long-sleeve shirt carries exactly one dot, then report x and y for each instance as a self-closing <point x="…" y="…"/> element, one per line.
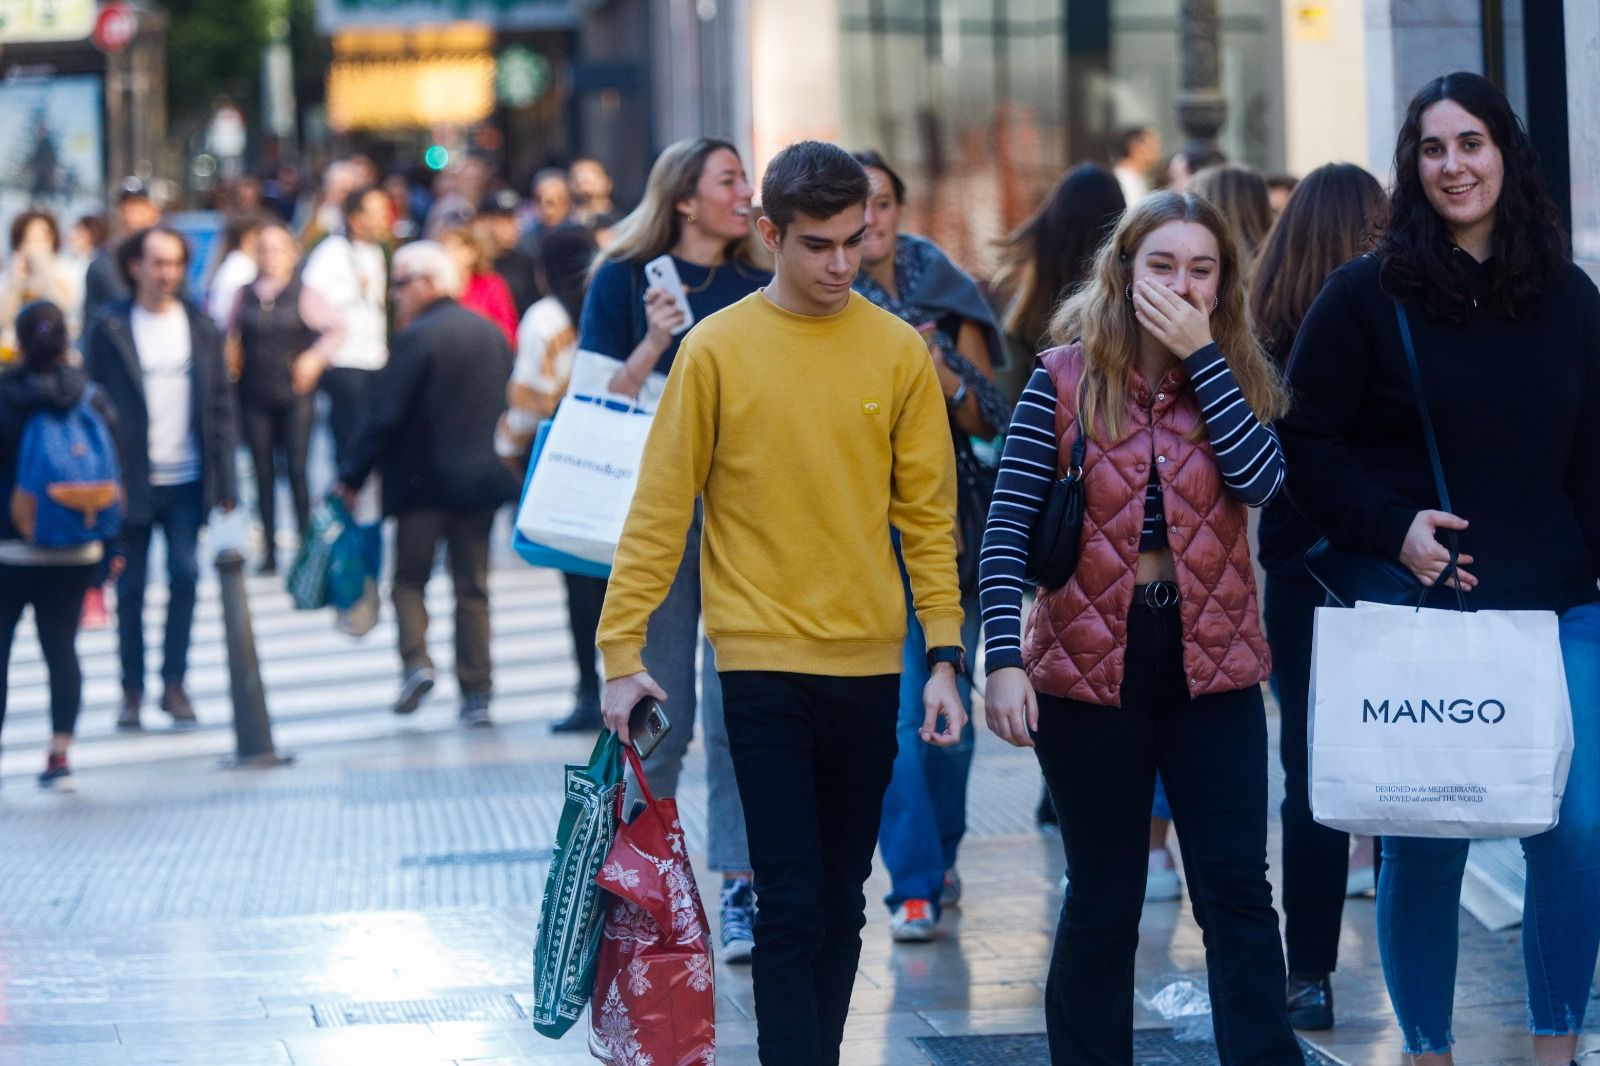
<point x="1248" y="458"/>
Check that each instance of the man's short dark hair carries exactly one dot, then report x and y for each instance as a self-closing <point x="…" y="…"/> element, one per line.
<point x="354" y="199"/>
<point x="811" y="178"/>
<point x="1130" y="137"/>
<point x="131" y="250"/>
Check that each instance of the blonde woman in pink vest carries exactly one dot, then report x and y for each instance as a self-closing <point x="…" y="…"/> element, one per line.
<point x="1150" y="658"/>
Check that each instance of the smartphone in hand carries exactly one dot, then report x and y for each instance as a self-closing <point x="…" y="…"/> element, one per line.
<point x="647" y="724"/>
<point x="662" y="273"/>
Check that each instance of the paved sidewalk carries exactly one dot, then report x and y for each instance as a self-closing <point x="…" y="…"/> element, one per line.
<point x="376" y="901"/>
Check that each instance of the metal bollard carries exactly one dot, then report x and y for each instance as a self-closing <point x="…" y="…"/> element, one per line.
<point x="252" y="728"/>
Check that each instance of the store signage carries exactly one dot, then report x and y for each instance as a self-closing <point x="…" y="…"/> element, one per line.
<point x="336" y="15"/>
<point x="521" y="76"/>
<point x="24" y="21"/>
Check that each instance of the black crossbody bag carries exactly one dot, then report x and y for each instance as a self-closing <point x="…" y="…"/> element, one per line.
<point x="1058" y="530"/>
<point x="1357" y="574"/>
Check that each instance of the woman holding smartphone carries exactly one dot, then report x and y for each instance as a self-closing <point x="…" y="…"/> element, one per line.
<point x="696" y="210"/>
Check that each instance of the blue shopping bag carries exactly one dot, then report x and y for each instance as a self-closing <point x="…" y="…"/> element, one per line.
<point x="537" y="554"/>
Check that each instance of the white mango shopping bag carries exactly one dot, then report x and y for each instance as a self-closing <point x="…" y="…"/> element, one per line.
<point x="1438" y="723"/>
<point x="578" y="493"/>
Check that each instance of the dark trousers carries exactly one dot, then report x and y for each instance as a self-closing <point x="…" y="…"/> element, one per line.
<point x="1101" y="764"/>
<point x="56" y="595"/>
<point x="180" y="511"/>
<point x="812" y="756"/>
<point x="466" y="539"/>
<point x="347" y="390"/>
<point x="1316" y="859"/>
<point x="585" y="597"/>
<point x="274" y="433"/>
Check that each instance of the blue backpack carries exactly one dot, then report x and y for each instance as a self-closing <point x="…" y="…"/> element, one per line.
<point x="68" y="489"/>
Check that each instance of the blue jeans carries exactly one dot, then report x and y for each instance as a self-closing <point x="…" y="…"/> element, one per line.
<point x="925" y="808"/>
<point x="180" y="511"/>
<point x="1419" y="885"/>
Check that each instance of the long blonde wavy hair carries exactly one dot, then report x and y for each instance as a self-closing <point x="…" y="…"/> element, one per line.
<point x="654" y="227"/>
<point x="1100" y="316"/>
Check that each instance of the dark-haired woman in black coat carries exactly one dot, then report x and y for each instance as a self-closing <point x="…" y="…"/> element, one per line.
<point x="1507" y="335"/>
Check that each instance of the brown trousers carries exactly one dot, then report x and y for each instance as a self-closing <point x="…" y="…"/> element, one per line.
<point x="466" y="539"/>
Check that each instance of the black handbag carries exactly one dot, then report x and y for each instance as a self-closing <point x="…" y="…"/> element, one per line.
<point x="974" y="491"/>
<point x="1357" y="574"/>
<point x="1058" y="530"/>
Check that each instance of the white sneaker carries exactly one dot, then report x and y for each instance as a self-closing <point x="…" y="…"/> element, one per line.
<point x="1161" y="884"/>
<point x="913" y="923"/>
<point x="1360" y="881"/>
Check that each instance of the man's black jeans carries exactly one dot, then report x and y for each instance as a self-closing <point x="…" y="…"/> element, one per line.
<point x="1100" y="763"/>
<point x="812" y="756"/>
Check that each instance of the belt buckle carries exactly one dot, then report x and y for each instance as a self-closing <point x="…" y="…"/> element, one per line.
<point x="1161" y="594"/>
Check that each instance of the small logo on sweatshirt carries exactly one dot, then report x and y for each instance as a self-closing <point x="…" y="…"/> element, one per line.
<point x="870" y="407"/>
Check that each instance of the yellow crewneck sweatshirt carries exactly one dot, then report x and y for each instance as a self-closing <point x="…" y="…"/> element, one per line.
<point x="807" y="438"/>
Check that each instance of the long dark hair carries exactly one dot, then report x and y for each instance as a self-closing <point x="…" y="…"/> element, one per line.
<point x="1046" y="257"/>
<point x="1335" y="213"/>
<point x="1528" y="247"/>
<point x="42" y="336"/>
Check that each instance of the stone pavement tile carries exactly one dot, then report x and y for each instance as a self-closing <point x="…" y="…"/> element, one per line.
<point x="211" y="1053"/>
<point x="56" y="1034"/>
<point x="399" y="1045"/>
<point x="982" y="1022"/>
<point x="64" y="1055"/>
<point x="162" y="1032"/>
<point x="873" y="1053"/>
<point x="948" y="996"/>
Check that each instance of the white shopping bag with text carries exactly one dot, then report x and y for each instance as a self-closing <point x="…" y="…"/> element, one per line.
<point x="579" y="492"/>
<point x="1438" y="723"/>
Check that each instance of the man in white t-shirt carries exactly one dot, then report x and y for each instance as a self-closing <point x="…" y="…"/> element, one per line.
<point x="159" y="360"/>
<point x="349" y="271"/>
<point x="1138" y="152"/>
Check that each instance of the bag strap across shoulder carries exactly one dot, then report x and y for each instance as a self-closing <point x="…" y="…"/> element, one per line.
<point x="1422" y="406"/>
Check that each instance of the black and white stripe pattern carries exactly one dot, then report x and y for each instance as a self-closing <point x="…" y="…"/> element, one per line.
<point x="1248" y="458"/>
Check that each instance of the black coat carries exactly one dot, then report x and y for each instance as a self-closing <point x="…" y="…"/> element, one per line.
<point x="22" y="395"/>
<point x="431" y="415"/>
<point x="113" y="363"/>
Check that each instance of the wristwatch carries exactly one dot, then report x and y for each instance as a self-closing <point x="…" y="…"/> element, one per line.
<point x="952" y="654"/>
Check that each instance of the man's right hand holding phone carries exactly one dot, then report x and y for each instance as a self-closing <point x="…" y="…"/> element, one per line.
<point x="619" y="696"/>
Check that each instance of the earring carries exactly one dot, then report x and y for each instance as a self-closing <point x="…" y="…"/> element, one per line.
<point x="1127" y="292"/>
<point x="1216" y="302"/>
<point x="691" y="218"/>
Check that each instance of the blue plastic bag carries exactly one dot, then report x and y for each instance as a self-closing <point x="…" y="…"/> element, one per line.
<point x="355" y="559"/>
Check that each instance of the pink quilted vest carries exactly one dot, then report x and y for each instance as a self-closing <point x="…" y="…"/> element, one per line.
<point x="1077" y="635"/>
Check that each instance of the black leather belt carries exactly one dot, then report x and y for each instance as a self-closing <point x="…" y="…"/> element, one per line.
<point x="1159" y="595"/>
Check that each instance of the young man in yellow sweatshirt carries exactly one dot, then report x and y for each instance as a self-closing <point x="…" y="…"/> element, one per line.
<point x="809" y="422"/>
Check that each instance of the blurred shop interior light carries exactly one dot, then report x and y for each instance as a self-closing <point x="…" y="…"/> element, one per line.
<point x="408" y="78"/>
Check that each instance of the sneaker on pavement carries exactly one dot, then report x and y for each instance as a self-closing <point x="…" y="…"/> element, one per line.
<point x="1161" y="884"/>
<point x="416" y="685"/>
<point x="128" y="710"/>
<point x="1360" y="881"/>
<point x="175" y="701"/>
<point x="57" y="775"/>
<point x="585" y="718"/>
<point x="475" y="709"/>
<point x="738" y="919"/>
<point x="950" y="894"/>
<point x="913" y="922"/>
